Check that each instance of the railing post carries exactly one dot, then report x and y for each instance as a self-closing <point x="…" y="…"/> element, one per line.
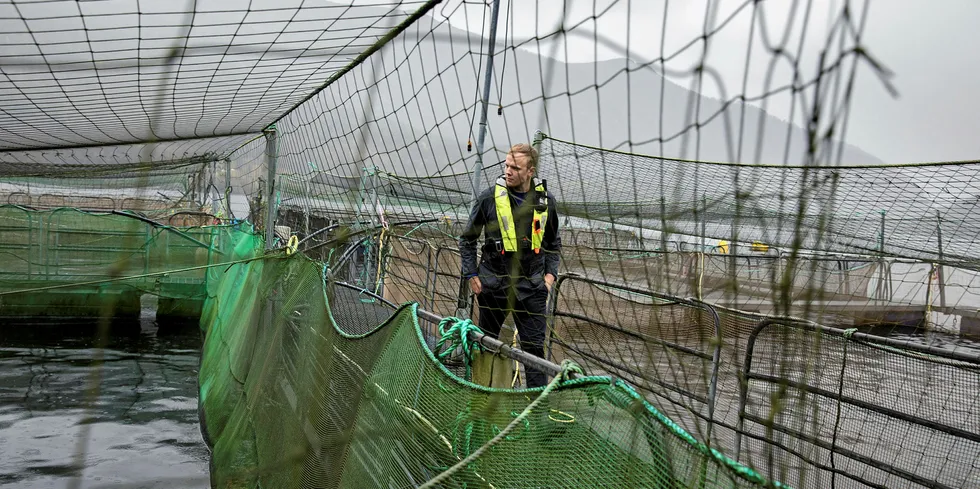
<point x="435" y="279"/>
<point x="704" y="221"/>
<point x="881" y="235"/>
<point x="881" y="291"/>
<point x="228" y="188"/>
<point x="428" y="275"/>
<point x="307" y="203"/>
<point x="272" y="156"/>
<point x="940" y="272"/>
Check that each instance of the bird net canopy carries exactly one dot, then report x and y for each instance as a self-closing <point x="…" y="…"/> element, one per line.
<point x="122" y="72"/>
<point x="713" y="217"/>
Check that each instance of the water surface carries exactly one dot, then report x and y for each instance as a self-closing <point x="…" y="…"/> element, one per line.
<point x="142" y="430"/>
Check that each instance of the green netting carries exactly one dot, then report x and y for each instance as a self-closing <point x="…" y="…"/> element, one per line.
<point x="68" y="262"/>
<point x="301" y="117"/>
<point x="296" y="392"/>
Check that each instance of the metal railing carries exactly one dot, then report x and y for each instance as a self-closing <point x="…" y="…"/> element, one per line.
<point x="770" y="436"/>
<point x="651" y="380"/>
<point x="824" y="398"/>
<point x="488" y="342"/>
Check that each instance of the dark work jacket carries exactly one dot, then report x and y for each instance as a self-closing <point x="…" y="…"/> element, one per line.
<point x="523" y="269"/>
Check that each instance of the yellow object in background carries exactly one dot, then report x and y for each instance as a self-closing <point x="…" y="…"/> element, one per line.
<point x="722" y="246"/>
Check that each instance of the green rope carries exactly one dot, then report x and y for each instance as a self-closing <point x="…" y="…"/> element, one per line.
<point x="456" y="332"/>
<point x="567" y="368"/>
<point x="416" y="228"/>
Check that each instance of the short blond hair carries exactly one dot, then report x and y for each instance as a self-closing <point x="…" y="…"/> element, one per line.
<point x="528" y="151"/>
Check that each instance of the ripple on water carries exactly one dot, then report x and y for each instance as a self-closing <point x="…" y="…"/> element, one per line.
<point x="142" y="431"/>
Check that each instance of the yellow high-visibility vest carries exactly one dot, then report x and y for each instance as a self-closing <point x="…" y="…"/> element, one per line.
<point x="505" y="218"/>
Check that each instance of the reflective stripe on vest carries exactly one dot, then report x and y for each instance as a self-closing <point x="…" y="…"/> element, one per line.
<point x="505" y="218"/>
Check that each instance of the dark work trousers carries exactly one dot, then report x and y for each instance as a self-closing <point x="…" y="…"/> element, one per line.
<point x="529" y="316"/>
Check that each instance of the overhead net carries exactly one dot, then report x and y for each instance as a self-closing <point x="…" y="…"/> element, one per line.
<point x="729" y="265"/>
<point x="158" y="178"/>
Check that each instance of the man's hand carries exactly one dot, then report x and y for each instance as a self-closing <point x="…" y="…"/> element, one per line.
<point x="549" y="280"/>
<point x="475" y="285"/>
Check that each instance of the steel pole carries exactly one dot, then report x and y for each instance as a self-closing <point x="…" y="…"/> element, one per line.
<point x="487" y="79"/>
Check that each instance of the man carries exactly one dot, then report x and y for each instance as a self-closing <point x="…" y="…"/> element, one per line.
<point x="520" y="253"/>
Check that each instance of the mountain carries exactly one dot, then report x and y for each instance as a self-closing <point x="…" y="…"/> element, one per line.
<point x="418" y="98"/>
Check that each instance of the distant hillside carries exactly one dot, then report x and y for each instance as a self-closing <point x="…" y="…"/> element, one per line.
<point x="425" y="110"/>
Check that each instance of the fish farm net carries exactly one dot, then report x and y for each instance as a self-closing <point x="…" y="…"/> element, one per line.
<point x="707" y="284"/>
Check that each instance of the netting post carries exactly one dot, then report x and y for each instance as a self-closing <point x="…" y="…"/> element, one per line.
<point x="880" y="291"/>
<point x="881" y="237"/>
<point x="216" y="200"/>
<point x="228" y="188"/>
<point x="202" y="187"/>
<point x="939" y="271"/>
<point x="367" y="201"/>
<point x="538" y="135"/>
<point x="487" y="79"/>
<point x="272" y="157"/>
<point x="704" y="220"/>
<point x="308" y="206"/>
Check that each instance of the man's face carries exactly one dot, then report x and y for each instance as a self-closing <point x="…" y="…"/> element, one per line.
<point x="517" y="171"/>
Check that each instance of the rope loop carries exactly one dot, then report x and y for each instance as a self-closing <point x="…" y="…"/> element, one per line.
<point x="569" y="367"/>
<point x="292" y="245"/>
<point x="455" y="332"/>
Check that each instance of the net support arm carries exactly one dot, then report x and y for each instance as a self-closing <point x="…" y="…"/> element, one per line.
<point x="494" y="345"/>
<point x="489" y="343"/>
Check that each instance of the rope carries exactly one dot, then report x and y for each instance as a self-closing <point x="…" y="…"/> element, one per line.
<point x="567" y="367"/>
<point x="848" y="333"/>
<point x="430" y="225"/>
<point x="416" y="228"/>
<point x="456" y="332"/>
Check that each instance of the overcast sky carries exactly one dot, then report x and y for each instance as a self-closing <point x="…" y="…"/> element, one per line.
<point x="931" y="47"/>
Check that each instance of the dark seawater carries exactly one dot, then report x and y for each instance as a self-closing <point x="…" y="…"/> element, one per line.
<point x="142" y="430"/>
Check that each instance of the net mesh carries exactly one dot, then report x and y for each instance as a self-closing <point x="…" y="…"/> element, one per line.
<point x="68" y="262"/>
<point x="863" y="412"/>
<point x="98" y="73"/>
<point x="755" y="301"/>
<point x="373" y="406"/>
<point x="891" y="210"/>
